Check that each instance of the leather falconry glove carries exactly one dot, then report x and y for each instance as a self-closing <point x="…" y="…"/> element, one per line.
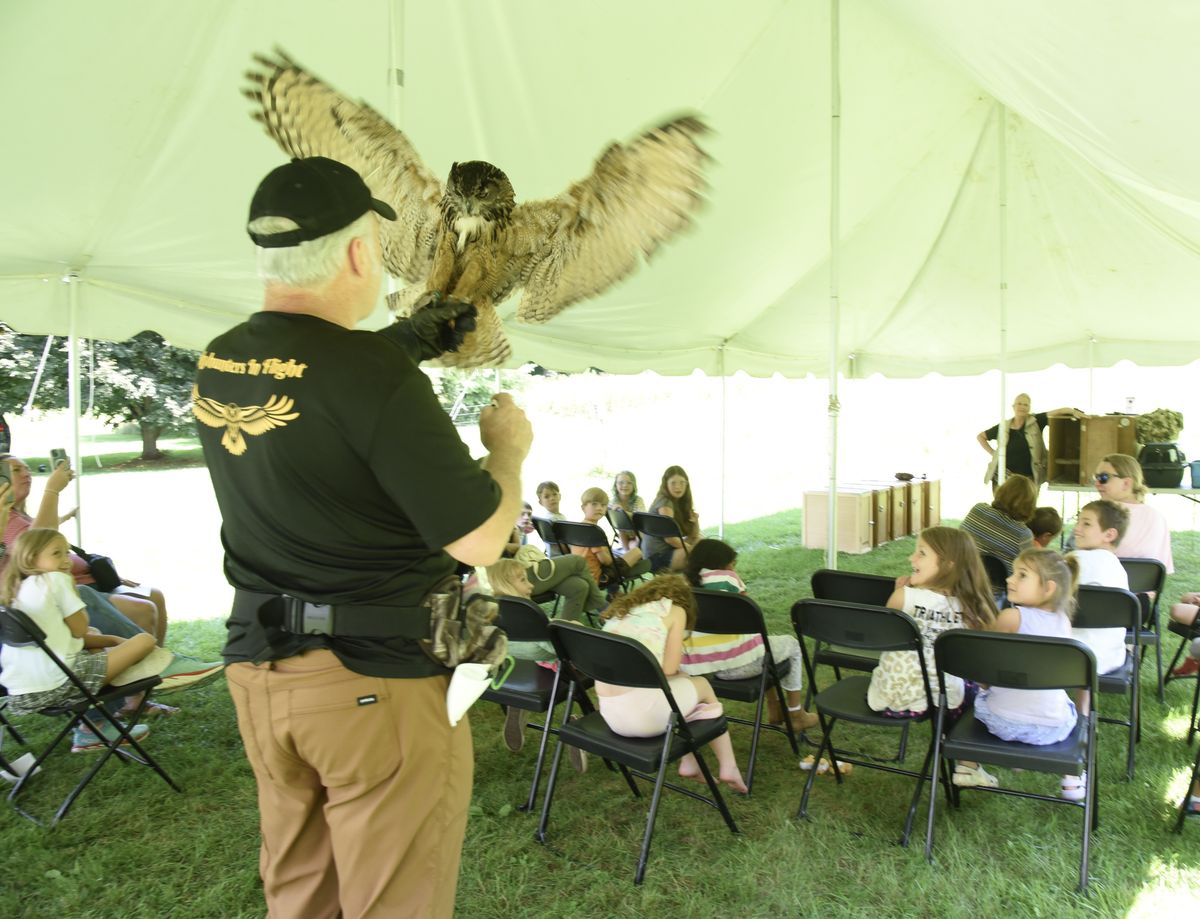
<point x="435" y="327"/>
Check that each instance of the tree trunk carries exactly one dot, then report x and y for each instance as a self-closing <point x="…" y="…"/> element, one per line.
<point x="150" y="434"/>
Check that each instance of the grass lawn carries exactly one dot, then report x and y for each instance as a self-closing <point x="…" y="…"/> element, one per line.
<point x="132" y="848"/>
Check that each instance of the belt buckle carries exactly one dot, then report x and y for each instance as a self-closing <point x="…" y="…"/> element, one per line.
<point x="303" y="618"/>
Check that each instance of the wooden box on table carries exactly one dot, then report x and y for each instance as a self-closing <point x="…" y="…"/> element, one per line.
<point x="933" y="503"/>
<point x="1077" y="446"/>
<point x="918" y="505"/>
<point x="855" y="519"/>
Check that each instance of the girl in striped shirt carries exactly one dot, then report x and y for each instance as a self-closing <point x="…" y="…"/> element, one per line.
<point x="711" y="566"/>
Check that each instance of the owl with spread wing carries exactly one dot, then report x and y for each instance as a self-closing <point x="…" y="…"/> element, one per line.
<point x="469" y="239"/>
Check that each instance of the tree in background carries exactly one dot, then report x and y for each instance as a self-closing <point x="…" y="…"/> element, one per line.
<point x="464" y="393"/>
<point x="142" y="380"/>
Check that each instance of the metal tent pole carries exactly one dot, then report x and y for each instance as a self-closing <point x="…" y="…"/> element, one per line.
<point x="72" y="281"/>
<point x="1002" y="217"/>
<point x="835" y="176"/>
<point x="724" y="436"/>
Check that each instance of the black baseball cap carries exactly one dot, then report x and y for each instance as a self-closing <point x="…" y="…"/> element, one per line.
<point x="320" y="194"/>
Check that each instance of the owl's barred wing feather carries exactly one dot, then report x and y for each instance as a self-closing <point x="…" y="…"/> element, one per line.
<point x="638" y="196"/>
<point x="306" y="117"/>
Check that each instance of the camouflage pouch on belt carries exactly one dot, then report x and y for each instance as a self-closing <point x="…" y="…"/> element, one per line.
<point x="462" y="633"/>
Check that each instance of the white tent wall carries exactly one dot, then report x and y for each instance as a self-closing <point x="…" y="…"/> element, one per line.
<point x="134" y="159"/>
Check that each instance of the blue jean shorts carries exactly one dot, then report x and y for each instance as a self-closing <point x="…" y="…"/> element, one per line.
<point x="1039" y="735"/>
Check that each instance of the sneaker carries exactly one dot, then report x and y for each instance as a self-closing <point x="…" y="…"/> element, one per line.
<point x="1074" y="787"/>
<point x="514" y="728"/>
<point x="86" y="741"/>
<point x="974" y="777"/>
<point x="1189" y="667"/>
<point x="186" y="673"/>
<point x="578" y="759"/>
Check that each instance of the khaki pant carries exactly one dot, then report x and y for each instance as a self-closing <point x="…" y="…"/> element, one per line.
<point x="363" y="788"/>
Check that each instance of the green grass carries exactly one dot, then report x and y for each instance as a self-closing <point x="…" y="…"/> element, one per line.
<point x="132" y="848"/>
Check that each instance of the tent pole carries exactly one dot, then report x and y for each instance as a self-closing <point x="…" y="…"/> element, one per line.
<point x="1002" y="217"/>
<point x="835" y="176"/>
<point x="72" y="281"/>
<point x="724" y="437"/>
<point x="37" y="376"/>
<point x="1091" y="374"/>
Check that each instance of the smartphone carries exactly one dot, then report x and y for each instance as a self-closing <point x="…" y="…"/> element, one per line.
<point x="58" y="456"/>
<point x="6" y="478"/>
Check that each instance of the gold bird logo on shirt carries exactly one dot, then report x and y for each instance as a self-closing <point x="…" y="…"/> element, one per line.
<point x="242" y="419"/>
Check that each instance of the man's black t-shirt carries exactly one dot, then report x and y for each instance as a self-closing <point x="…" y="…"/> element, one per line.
<point x="339" y="478"/>
<point x="1017" y="450"/>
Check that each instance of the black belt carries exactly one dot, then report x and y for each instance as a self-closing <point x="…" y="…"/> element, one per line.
<point x="301" y="617"/>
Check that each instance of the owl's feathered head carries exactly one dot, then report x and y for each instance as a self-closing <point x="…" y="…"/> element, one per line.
<point x="477" y="189"/>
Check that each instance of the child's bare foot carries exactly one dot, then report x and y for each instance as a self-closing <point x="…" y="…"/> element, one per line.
<point x="733" y="779"/>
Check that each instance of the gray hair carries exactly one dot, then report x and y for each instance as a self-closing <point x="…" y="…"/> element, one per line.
<point x="311" y="263"/>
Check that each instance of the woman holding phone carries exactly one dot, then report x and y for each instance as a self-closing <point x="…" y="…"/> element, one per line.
<point x="141" y="606"/>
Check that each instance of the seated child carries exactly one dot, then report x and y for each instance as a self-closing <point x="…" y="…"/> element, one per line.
<point x="947" y="589"/>
<point x="549" y="496"/>
<point x="711" y="566"/>
<point x="1046" y="524"/>
<point x="606" y="568"/>
<point x="657" y="614"/>
<point x="37" y="581"/>
<point x="1042" y="589"/>
<point x="1098" y="532"/>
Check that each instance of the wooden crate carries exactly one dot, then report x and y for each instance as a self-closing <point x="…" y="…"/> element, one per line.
<point x="881" y="508"/>
<point x="855" y="519"/>
<point x="918" y="505"/>
<point x="895" y="494"/>
<point x="933" y="503"/>
<point x="1076" y="447"/>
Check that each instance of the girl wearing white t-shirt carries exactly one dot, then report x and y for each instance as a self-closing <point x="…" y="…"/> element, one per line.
<point x="37" y="581"/>
<point x="1042" y="591"/>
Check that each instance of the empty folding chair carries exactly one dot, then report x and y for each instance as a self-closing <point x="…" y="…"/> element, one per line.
<point x="1147" y="577"/>
<point x="595" y="655"/>
<point x="873" y="628"/>
<point x="722" y="613"/>
<point x="18" y="629"/>
<point x="1113" y="608"/>
<point x="1017" y="662"/>
<point x="529" y="687"/>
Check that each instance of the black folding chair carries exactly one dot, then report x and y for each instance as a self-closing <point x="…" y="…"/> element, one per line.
<point x="1184" y="813"/>
<point x="620" y="521"/>
<point x="660" y="526"/>
<point x="874" y="628"/>
<point x="1018" y="662"/>
<point x="997" y="571"/>
<point x="1147" y="578"/>
<point x="587" y="536"/>
<point x="722" y="613"/>
<point x="529" y="687"/>
<point x="17" y="629"/>
<point x="866" y="590"/>
<point x="8" y="727"/>
<point x="1187" y="634"/>
<point x="624" y="661"/>
<point x="545" y="530"/>
<point x="1107" y="608"/>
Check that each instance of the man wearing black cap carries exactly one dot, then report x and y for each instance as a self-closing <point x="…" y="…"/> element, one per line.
<point x="346" y="495"/>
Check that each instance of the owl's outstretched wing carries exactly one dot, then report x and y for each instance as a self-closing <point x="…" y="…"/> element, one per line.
<point x="306" y="117"/>
<point x="638" y="196"/>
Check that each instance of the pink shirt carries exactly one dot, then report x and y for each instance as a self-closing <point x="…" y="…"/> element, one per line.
<point x="1147" y="537"/>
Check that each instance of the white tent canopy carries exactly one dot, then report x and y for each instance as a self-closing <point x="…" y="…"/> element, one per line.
<point x="130" y="160"/>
